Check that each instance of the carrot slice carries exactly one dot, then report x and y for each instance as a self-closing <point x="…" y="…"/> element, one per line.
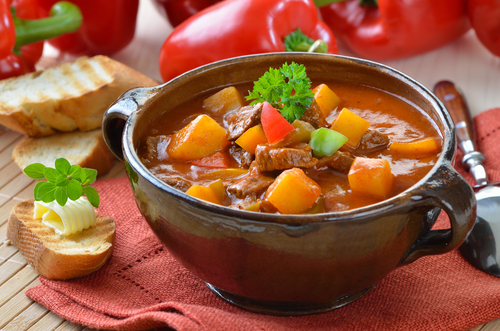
<point x="422" y="146"/>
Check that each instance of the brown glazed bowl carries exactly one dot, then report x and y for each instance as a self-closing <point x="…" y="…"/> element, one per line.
<point x="316" y="262"/>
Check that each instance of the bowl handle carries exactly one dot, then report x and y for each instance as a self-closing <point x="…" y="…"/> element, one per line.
<point x="117" y="115"/>
<point x="457" y="199"/>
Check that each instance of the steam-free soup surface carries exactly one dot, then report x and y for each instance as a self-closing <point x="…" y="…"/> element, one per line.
<point x="389" y="116"/>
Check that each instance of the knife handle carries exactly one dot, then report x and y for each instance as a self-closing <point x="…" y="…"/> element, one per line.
<point x="455" y="102"/>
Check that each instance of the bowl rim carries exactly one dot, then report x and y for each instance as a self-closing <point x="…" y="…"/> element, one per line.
<point x="448" y="149"/>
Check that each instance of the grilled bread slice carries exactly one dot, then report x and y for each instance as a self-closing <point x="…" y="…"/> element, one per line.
<point x="66" y="97"/>
<point x="60" y="257"/>
<point x="87" y="149"/>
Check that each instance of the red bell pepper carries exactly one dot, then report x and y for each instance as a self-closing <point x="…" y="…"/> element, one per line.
<point x="108" y="26"/>
<point x="19" y="55"/>
<point x="275" y="126"/>
<point x="240" y="27"/>
<point x="177" y="11"/>
<point x="484" y="16"/>
<point x="396" y="29"/>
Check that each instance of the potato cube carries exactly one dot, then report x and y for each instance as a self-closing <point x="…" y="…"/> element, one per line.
<point x="350" y="125"/>
<point x="200" y="138"/>
<point x="224" y="101"/>
<point x="251" y="138"/>
<point x="326" y="99"/>
<point x="293" y="192"/>
<point x="205" y="193"/>
<point x="371" y="177"/>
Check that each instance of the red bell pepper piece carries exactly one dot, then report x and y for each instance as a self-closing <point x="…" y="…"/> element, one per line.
<point x="484" y="16"/>
<point x="177" y="11"/>
<point x="396" y="29"/>
<point x="108" y="26"/>
<point x="217" y="160"/>
<point x="21" y="56"/>
<point x="275" y="126"/>
<point x="239" y="27"/>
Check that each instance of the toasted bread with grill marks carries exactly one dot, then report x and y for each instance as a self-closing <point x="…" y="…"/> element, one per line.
<point x="70" y="96"/>
<point x="86" y="149"/>
<point x="60" y="257"/>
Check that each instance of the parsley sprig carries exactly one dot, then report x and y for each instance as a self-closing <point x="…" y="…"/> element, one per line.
<point x="287" y="89"/>
<point x="63" y="182"/>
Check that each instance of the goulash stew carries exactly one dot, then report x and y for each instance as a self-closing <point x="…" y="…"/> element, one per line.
<point x="292" y="146"/>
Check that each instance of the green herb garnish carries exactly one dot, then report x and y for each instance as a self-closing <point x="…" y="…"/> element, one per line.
<point x="299" y="42"/>
<point x="63" y="182"/>
<point x="287" y="89"/>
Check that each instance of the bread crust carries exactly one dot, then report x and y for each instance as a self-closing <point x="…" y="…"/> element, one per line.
<point x="60" y="257"/>
<point x="96" y="83"/>
<point x="86" y="149"/>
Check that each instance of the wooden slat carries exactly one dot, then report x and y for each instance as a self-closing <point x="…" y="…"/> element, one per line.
<point x="68" y="326"/>
<point x="50" y="321"/>
<point x="6" y="153"/>
<point x="8" y="172"/>
<point x="9" y="138"/>
<point x="13" y="187"/>
<point x="27" y="318"/>
<point x="6" y="252"/>
<point x="16" y="305"/>
<point x="11" y="266"/>
<point x="16" y="284"/>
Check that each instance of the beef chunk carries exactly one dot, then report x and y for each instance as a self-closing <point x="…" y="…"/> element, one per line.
<point x="314" y="116"/>
<point x="245" y="203"/>
<point x="340" y="161"/>
<point x="242" y="157"/>
<point x="175" y="181"/>
<point x="243" y="119"/>
<point x="372" y="140"/>
<point x="252" y="184"/>
<point x="269" y="158"/>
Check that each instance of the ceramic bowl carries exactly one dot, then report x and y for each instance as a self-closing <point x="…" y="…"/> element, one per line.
<point x="324" y="261"/>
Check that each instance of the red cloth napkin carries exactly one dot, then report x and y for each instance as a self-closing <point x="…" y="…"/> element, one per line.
<point x="143" y="287"/>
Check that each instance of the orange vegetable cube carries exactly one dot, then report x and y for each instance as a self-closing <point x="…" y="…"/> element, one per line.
<point x="422" y="146"/>
<point x="224" y="101"/>
<point x="218" y="188"/>
<point x="204" y="193"/>
<point x="326" y="99"/>
<point x="371" y="177"/>
<point x="293" y="192"/>
<point x="251" y="138"/>
<point x="200" y="138"/>
<point x="350" y="125"/>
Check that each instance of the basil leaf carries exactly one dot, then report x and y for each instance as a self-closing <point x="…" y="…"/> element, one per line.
<point x="92" y="195"/>
<point x="46" y="192"/>
<point x="35" y="171"/>
<point x="62" y="165"/>
<point x="75" y="190"/>
<point x="37" y="187"/>
<point x="75" y="171"/>
<point x="61" y="195"/>
<point x="91" y="174"/>
<point x="51" y="174"/>
<point x="61" y="180"/>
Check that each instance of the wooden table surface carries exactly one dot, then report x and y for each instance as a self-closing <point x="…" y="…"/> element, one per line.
<point x="465" y="61"/>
